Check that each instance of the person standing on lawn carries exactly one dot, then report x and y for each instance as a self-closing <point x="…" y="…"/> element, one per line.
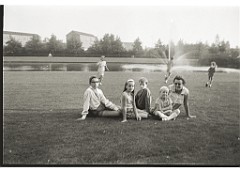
<point x="102" y="65"/>
<point x="169" y="69"/>
<point x="211" y="72"/>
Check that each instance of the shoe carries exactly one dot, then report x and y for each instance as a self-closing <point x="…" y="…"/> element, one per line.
<point x="82" y="118"/>
<point x="206" y="85"/>
<point x="210" y="85"/>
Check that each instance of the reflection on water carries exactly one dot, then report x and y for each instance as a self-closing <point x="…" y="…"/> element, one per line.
<point x="112" y="66"/>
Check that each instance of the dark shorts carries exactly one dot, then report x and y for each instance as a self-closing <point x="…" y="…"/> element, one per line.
<point x="210" y="77"/>
<point x="98" y="112"/>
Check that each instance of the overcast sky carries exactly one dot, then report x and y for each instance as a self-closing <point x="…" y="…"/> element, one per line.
<point x="149" y="23"/>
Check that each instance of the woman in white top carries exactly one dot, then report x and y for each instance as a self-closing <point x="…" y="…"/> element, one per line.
<point x="179" y="95"/>
<point x="102" y="65"/>
<point x="95" y="103"/>
<point x="129" y="109"/>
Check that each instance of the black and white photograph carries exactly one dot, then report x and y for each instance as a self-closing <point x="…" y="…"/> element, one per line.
<point x="121" y="85"/>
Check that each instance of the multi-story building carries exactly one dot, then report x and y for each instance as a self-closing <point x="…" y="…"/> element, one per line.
<point x="86" y="39"/>
<point x="18" y="36"/>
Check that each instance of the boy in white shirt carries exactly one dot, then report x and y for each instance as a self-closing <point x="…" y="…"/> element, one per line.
<point x="95" y="103"/>
<point x="102" y="65"/>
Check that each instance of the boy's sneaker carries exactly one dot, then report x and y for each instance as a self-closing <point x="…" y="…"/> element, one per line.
<point x="81" y="118"/>
<point x="206" y="85"/>
<point x="210" y="85"/>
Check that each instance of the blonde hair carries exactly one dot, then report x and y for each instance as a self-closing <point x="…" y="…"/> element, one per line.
<point x="163" y="88"/>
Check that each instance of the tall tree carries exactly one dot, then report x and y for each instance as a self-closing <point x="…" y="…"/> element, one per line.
<point x="74" y="46"/>
<point x="108" y="45"/>
<point x="117" y="46"/>
<point x="34" y="45"/>
<point x="13" y="47"/>
<point x="54" y="45"/>
<point x="160" y="49"/>
<point x="137" y="47"/>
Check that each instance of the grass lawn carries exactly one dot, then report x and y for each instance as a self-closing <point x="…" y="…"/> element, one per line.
<point x="40" y="127"/>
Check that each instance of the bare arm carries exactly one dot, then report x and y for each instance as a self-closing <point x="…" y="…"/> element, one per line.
<point x="135" y="109"/>
<point x="124" y="109"/>
<point x="107" y="102"/>
<point x="186" y="106"/>
<point x="107" y="67"/>
<point x="86" y="103"/>
<point x="148" y="102"/>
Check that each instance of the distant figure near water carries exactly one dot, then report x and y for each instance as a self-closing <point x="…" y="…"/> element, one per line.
<point x="102" y="65"/>
<point x="50" y="55"/>
<point x="169" y="69"/>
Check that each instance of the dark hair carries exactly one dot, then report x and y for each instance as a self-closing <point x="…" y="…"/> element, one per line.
<point x="178" y="77"/>
<point x="134" y="103"/>
<point x="91" y="78"/>
<point x="125" y="85"/>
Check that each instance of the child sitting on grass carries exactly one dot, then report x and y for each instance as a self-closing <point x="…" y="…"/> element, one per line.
<point x="143" y="97"/>
<point x="128" y="105"/>
<point x="163" y="105"/>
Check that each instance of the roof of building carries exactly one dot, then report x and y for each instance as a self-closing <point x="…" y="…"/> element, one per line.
<point x="81" y="33"/>
<point x="19" y="33"/>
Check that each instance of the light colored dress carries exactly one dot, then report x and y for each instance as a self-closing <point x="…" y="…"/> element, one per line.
<point x="101" y="67"/>
<point x="128" y="104"/>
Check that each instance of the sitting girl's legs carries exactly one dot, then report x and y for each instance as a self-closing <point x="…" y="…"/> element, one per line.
<point x="110" y="113"/>
<point x="142" y="113"/>
<point x="160" y="114"/>
<point x="174" y="114"/>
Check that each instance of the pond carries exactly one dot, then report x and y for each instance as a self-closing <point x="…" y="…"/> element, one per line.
<point x="24" y="66"/>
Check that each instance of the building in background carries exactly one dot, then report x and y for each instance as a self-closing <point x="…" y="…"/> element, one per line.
<point x="128" y="45"/>
<point x="86" y="39"/>
<point x="18" y="36"/>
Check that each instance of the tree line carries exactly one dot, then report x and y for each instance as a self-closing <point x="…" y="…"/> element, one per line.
<point x="112" y="46"/>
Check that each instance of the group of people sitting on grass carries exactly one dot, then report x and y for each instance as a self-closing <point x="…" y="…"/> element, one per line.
<point x="137" y="106"/>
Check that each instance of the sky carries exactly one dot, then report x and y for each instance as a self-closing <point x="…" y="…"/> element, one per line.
<point x="150" y="23"/>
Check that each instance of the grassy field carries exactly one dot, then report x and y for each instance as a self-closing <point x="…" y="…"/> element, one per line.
<point x="40" y="127"/>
